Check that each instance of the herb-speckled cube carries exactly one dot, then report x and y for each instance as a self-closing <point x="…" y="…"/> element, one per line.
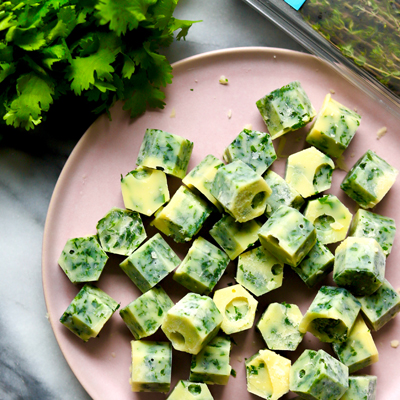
<point x="202" y="176"/>
<point x="369" y="180"/>
<point x="282" y="194"/>
<point x="240" y="190"/>
<point x="286" y="109"/>
<point x="381" y="306"/>
<point x="333" y="128"/>
<point x="145" y="315"/>
<point x="144" y="190"/>
<point x="183" y="216"/>
<point x="359" y="265"/>
<point x="211" y="365"/>
<point x="309" y="172"/>
<point x="259" y="271"/>
<point x="267" y="375"/>
<point x="151" y="366"/>
<point x="121" y="231"/>
<point x="150" y="263"/>
<point x="361" y="387"/>
<point x="233" y="236"/>
<point x="254" y="148"/>
<point x="163" y="150"/>
<point x="288" y="235"/>
<point x="279" y="326"/>
<point x="316" y="265"/>
<point x="202" y="267"/>
<point x="330" y="217"/>
<point x="237" y="307"/>
<point x="331" y="314"/>
<point x="83" y="259"/>
<point x="186" y="390"/>
<point x="319" y="376"/>
<point x="192" y="322"/>
<point x="371" y="225"/>
<point x="359" y="350"/>
<point x="88" y="312"/>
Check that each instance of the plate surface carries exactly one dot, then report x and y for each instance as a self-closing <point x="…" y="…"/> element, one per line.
<point x="197" y="108"/>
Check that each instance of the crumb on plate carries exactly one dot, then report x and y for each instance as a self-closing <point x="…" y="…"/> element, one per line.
<point x="394" y="344"/>
<point x="381" y="132"/>
<point x="223" y="80"/>
<point x="173" y="113"/>
<point x="229" y="114"/>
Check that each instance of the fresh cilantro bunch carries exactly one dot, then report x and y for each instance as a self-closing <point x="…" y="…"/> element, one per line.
<point x="106" y="50"/>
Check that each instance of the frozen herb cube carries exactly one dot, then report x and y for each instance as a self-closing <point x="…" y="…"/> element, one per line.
<point x="88" y="312"/>
<point x="240" y="190"/>
<point x="288" y="235"/>
<point x="286" y="109"/>
<point x="309" y="172"/>
<point x="381" y="306"/>
<point x="211" y="365"/>
<point x="183" y="216"/>
<point x="192" y="322"/>
<point x="267" y="375"/>
<point x="202" y="176"/>
<point x="334" y="127"/>
<point x="150" y="263"/>
<point x="282" y="194"/>
<point x="359" y="265"/>
<point x="145" y="315"/>
<point x="234" y="237"/>
<point x="202" y="267"/>
<point x="319" y="376"/>
<point x="361" y="387"/>
<point x="165" y="151"/>
<point x="237" y="307"/>
<point x="83" y="259"/>
<point x="259" y="271"/>
<point x="279" y="326"/>
<point x="121" y="231"/>
<point x="330" y="217"/>
<point x="186" y="390"/>
<point x="371" y="225"/>
<point x="359" y="350"/>
<point x="331" y="314"/>
<point x="254" y="148"/>
<point x="144" y="190"/>
<point x="369" y="180"/>
<point x="151" y="366"/>
<point x="316" y="265"/>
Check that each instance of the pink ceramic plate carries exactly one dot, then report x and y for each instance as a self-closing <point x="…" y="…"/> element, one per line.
<point x="198" y="108"/>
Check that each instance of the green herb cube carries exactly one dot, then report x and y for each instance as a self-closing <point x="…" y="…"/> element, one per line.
<point x="279" y="326"/>
<point x="241" y="191"/>
<point x="150" y="263"/>
<point x="83" y="259"/>
<point x="88" y="312"/>
<point x="186" y="390"/>
<point x="334" y="127"/>
<point x="183" y="216"/>
<point x="316" y="265"/>
<point x="151" y="366"/>
<point x="359" y="265"/>
<point x="165" y="151"/>
<point x="145" y="315"/>
<point x="371" y="225"/>
<point x="211" y="365"/>
<point x="254" y="148"/>
<point x="288" y="235"/>
<point x="286" y="109"/>
<point x="121" y="231"/>
<point x="331" y="315"/>
<point x="317" y="375"/>
<point x="145" y="190"/>
<point x="202" y="267"/>
<point x="259" y="271"/>
<point x="361" y="387"/>
<point x="369" y="180"/>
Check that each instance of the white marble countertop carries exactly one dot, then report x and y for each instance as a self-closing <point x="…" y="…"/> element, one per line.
<point x="31" y="363"/>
